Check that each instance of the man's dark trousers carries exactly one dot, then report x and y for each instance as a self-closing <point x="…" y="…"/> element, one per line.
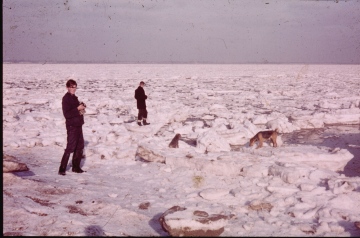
<point x="75" y="144"/>
<point x="142" y="114"/>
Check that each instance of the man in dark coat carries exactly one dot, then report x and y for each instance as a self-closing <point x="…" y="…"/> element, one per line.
<point x="73" y="112"/>
<point x="141" y="104"/>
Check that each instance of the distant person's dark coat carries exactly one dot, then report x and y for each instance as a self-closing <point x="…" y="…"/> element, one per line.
<point x="70" y="102"/>
<point x="140" y="98"/>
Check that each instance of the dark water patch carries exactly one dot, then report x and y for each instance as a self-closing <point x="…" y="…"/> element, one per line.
<point x="331" y="136"/>
<point x="303" y="136"/>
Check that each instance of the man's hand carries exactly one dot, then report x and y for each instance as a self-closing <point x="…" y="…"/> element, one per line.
<point x="81" y="107"/>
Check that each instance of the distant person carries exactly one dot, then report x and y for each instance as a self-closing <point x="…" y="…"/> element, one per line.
<point x="73" y="112"/>
<point x="141" y="104"/>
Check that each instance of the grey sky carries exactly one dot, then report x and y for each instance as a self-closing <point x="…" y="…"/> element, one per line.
<point x="182" y="31"/>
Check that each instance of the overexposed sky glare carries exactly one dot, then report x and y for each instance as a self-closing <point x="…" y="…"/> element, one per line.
<point x="177" y="31"/>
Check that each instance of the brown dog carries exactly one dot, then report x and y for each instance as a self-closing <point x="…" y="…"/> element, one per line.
<point x="264" y="135"/>
<point x="175" y="141"/>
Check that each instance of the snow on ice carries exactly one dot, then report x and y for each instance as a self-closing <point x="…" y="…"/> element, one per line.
<point x="214" y="183"/>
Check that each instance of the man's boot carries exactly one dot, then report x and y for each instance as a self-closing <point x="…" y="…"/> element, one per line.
<point x="62" y="171"/>
<point x="64" y="162"/>
<point x="145" y="123"/>
<point x="139" y="122"/>
<point x="76" y="161"/>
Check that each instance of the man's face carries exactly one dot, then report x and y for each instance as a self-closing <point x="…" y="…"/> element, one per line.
<point x="72" y="89"/>
<point x="142" y="85"/>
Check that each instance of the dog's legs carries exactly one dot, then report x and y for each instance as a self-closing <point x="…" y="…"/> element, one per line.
<point x="274" y="140"/>
<point x="260" y="142"/>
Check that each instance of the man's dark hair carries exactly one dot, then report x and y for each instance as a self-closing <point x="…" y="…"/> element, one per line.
<point x="70" y="83"/>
